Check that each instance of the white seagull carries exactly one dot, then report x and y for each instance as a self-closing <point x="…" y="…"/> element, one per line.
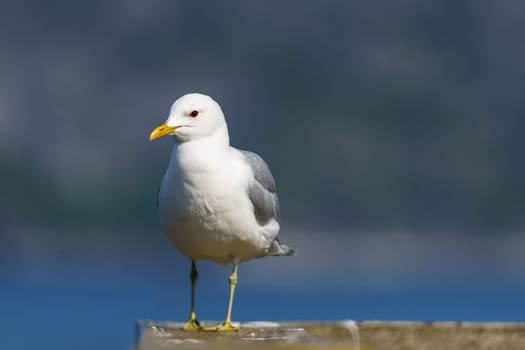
<point x="215" y="202"/>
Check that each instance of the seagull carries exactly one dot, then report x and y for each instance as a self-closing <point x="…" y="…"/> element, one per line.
<point x="215" y="202"/>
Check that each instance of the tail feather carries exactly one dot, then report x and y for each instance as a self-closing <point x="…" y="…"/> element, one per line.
<point x="278" y="249"/>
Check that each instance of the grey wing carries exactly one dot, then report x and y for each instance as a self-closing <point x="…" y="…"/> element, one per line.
<point x="262" y="191"/>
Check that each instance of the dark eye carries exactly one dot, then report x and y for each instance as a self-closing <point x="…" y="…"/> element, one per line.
<point x="193" y="114"/>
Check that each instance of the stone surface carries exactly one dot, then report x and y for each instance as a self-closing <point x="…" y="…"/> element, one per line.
<point x="363" y="335"/>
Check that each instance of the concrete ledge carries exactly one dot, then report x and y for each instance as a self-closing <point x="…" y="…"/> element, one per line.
<point x="363" y="335"/>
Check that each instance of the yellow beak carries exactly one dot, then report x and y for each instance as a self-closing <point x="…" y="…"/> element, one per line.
<point x="161" y="130"/>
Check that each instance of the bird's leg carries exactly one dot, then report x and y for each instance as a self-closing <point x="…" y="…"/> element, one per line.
<point x="233" y="282"/>
<point x="192" y="324"/>
<point x="227" y="325"/>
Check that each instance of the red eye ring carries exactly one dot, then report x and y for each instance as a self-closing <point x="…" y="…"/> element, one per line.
<point x="193" y="114"/>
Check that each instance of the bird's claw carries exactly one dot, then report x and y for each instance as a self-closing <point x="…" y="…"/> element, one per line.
<point x="225" y="327"/>
<point x="192" y="325"/>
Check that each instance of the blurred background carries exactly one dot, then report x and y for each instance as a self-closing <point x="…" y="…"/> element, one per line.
<point x="393" y="129"/>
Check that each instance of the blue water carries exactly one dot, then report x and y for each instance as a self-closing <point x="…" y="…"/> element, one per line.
<point x="75" y="312"/>
<point x="69" y="299"/>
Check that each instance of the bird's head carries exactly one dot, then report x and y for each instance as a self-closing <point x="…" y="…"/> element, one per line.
<point x="193" y="116"/>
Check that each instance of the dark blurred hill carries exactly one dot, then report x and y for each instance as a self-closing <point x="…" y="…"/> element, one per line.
<point x="372" y="115"/>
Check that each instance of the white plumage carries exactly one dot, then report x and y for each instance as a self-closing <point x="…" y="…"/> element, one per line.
<point x="215" y="202"/>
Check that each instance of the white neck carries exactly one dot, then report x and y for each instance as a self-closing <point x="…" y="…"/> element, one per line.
<point x="202" y="154"/>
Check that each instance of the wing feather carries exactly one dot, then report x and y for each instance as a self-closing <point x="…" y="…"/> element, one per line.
<point x="262" y="190"/>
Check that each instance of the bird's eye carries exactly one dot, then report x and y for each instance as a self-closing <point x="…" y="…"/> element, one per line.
<point x="193" y="114"/>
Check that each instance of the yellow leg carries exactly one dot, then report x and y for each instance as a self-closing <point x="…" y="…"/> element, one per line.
<point x="192" y="324"/>
<point x="227" y="325"/>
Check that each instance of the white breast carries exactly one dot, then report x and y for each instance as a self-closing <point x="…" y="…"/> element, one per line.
<point x="203" y="205"/>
